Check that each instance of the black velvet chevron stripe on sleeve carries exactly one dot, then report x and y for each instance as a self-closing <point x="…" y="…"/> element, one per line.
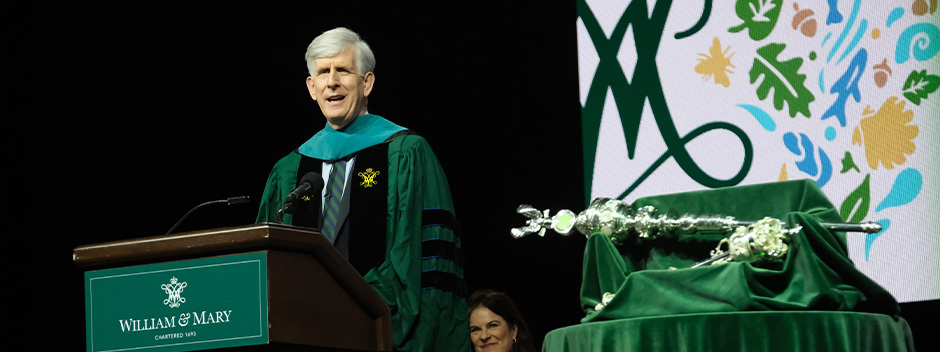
<point x="442" y="249"/>
<point x="438" y="248"/>
<point x="439" y="217"/>
<point x="440" y="280"/>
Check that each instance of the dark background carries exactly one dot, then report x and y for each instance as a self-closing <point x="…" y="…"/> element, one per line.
<point x="119" y="118"/>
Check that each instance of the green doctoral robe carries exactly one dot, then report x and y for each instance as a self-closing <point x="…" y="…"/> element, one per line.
<point x="417" y="268"/>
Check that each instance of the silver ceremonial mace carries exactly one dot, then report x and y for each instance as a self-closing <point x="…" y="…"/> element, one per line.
<point x="751" y="241"/>
<point x="616" y="219"/>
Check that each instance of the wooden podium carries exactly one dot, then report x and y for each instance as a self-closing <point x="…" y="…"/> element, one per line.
<point x="266" y="287"/>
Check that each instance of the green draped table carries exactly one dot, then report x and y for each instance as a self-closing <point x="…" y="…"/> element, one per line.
<point x="814" y="300"/>
<point x="741" y="331"/>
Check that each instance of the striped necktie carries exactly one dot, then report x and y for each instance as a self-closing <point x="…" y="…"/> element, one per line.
<point x="334" y="196"/>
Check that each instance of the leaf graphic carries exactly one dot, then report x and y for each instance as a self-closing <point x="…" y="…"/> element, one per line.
<point x="888" y="135"/>
<point x="860" y="196"/>
<point x="848" y="164"/>
<point x="759" y="16"/>
<point x="918" y="85"/>
<point x="715" y="64"/>
<point x="783" y="77"/>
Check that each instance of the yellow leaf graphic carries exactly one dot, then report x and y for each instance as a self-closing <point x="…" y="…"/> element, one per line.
<point x="715" y="64"/>
<point x="887" y="136"/>
<point x="857" y="136"/>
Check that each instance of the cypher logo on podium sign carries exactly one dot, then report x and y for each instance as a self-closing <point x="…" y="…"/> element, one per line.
<point x="174" y="289"/>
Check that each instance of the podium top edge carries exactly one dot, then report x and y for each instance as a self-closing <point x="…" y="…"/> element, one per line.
<point x="220" y="240"/>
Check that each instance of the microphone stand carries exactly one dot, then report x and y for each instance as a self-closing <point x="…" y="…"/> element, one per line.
<point x="229" y="201"/>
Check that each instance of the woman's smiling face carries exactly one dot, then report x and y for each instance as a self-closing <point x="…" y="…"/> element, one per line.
<point x="489" y="331"/>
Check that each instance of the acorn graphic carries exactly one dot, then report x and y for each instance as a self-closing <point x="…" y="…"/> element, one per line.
<point x="921" y="7"/>
<point x="804" y="21"/>
<point x="882" y="72"/>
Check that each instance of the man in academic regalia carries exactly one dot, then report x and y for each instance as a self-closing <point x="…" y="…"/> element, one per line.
<point x="386" y="204"/>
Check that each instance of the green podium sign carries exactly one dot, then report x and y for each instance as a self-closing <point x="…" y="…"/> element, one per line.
<point x="180" y="306"/>
<point x="269" y="287"/>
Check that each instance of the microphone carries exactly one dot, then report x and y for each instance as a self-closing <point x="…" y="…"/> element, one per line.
<point x="227" y="201"/>
<point x="311" y="183"/>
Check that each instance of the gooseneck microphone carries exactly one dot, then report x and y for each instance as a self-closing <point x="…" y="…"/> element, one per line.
<point x="311" y="183"/>
<point x="227" y="201"/>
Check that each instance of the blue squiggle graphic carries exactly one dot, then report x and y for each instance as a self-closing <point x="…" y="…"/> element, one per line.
<point x="871" y="237"/>
<point x="822" y="86"/>
<point x="826" y="172"/>
<point x="862" y="26"/>
<point x="906" y="187"/>
<point x="834" y="15"/>
<point x="762" y="117"/>
<point x="846" y="86"/>
<point x="809" y="165"/>
<point x="845" y="31"/>
<point x="792" y="143"/>
<point x="925" y="48"/>
<point x="895" y="15"/>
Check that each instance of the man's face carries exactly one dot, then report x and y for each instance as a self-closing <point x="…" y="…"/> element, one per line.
<point x="339" y="88"/>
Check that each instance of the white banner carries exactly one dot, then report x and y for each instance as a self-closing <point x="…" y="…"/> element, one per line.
<point x="687" y="95"/>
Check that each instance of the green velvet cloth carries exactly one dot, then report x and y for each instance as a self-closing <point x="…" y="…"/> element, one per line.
<point x="809" y="331"/>
<point x="653" y="278"/>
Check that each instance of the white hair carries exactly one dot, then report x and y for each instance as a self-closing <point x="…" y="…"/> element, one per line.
<point x="333" y="42"/>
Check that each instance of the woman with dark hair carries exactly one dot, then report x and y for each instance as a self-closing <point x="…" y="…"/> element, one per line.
<point x="496" y="325"/>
